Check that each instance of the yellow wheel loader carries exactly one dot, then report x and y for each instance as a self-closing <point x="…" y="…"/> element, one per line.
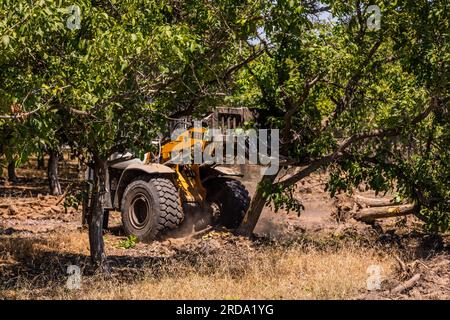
<point x="158" y="194"/>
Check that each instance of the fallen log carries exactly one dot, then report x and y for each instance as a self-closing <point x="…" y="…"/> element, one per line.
<point x="374" y="202"/>
<point x="19" y="203"/>
<point x="370" y="214"/>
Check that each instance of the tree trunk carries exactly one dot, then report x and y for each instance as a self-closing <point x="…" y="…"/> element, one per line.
<point x="96" y="214"/>
<point x="40" y="161"/>
<point x="370" y="214"/>
<point x="256" y="206"/>
<point x="87" y="196"/>
<point x="52" y="172"/>
<point x="12" y="172"/>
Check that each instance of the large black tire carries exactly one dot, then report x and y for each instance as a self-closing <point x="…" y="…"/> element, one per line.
<point x="150" y="207"/>
<point x="231" y="198"/>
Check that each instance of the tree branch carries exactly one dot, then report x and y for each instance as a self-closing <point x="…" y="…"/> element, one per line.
<point x="292" y="107"/>
<point x="26" y="114"/>
<point x="353" y="82"/>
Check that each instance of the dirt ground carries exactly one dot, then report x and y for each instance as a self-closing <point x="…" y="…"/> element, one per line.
<point x="290" y="257"/>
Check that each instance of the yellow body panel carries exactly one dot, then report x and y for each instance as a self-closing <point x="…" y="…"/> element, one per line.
<point x="185" y="140"/>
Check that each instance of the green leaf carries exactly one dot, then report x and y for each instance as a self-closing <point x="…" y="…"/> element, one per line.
<point x="5" y="40"/>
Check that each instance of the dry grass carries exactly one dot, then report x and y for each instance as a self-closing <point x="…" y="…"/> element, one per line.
<point x="205" y="269"/>
<point x="275" y="275"/>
